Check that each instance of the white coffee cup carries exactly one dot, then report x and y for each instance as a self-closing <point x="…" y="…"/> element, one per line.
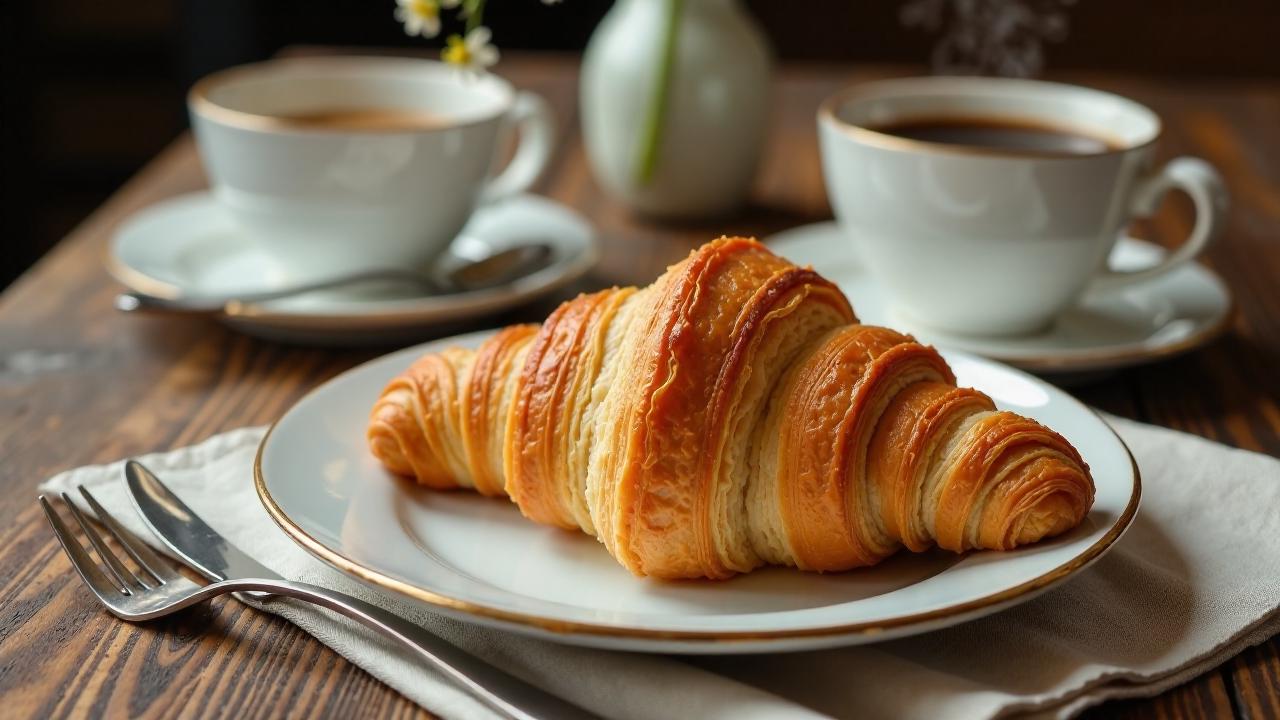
<point x="980" y="240"/>
<point x="328" y="198"/>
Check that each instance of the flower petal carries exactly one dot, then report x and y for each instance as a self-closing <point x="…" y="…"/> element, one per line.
<point x="478" y="38"/>
<point x="486" y="56"/>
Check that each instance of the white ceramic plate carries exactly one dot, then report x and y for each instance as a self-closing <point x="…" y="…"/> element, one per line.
<point x="188" y="244"/>
<point x="477" y="559"/>
<point x="1181" y="311"/>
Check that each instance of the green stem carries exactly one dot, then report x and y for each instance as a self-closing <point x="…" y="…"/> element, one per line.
<point x="651" y="133"/>
<point x="476" y="15"/>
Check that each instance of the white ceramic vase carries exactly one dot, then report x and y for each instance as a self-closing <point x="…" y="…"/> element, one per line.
<point x="715" y="116"/>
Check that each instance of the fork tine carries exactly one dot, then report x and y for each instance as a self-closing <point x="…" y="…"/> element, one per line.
<point x="126" y="577"/>
<point x="146" y="558"/>
<point x="80" y="559"/>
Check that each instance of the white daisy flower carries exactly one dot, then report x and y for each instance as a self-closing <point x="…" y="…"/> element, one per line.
<point x="474" y="52"/>
<point x="421" y="17"/>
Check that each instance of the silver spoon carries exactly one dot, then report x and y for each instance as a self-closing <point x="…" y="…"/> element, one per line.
<point x="497" y="269"/>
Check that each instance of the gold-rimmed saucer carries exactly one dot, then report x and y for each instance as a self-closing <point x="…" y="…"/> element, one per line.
<point x="187" y="244"/>
<point x="1186" y="309"/>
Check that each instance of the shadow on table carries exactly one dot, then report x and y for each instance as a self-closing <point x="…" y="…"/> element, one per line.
<point x="1214" y="392"/>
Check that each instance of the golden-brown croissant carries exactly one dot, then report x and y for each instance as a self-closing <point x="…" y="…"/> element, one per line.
<point x="730" y="415"/>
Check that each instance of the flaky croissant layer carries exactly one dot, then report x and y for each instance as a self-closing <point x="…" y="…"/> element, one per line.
<point x="730" y="415"/>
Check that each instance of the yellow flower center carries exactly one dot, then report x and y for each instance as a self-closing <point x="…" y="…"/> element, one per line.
<point x="456" y="51"/>
<point x="426" y="9"/>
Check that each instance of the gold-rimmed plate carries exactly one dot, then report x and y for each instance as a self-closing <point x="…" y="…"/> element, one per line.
<point x="478" y="560"/>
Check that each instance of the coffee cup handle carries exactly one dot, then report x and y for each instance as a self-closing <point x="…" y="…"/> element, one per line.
<point x="1202" y="183"/>
<point x="532" y="119"/>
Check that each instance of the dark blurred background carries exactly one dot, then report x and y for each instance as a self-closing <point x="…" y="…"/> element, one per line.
<point x="92" y="89"/>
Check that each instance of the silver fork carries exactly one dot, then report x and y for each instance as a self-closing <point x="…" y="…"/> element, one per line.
<point x="157" y="590"/>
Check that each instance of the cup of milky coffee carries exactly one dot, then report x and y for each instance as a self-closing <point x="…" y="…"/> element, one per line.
<point x="988" y="205"/>
<point x="340" y="164"/>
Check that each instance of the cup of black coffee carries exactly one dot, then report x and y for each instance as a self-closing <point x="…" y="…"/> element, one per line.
<point x="988" y="205"/>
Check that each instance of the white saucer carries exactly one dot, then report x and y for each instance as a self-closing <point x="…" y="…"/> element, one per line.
<point x="188" y="245"/>
<point x="1173" y="314"/>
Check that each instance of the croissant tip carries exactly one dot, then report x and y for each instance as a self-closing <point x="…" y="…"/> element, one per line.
<point x="1049" y="518"/>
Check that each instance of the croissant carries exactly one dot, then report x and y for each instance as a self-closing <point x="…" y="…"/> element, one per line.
<point x="728" y="416"/>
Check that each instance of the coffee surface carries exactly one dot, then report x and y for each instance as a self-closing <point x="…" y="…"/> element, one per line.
<point x="367" y="119"/>
<point x="996" y="133"/>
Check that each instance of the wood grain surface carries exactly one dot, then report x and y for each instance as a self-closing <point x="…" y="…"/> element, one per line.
<point x="80" y="383"/>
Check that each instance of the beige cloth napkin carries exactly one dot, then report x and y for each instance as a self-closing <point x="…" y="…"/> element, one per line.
<point x="1195" y="581"/>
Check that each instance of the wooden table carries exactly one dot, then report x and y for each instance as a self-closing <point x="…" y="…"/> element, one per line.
<point x="80" y="383"/>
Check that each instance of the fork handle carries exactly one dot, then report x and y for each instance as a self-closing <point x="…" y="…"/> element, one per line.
<point x="506" y="694"/>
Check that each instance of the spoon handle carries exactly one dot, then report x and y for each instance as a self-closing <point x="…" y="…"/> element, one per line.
<point x="143" y="303"/>
<point x="215" y="304"/>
